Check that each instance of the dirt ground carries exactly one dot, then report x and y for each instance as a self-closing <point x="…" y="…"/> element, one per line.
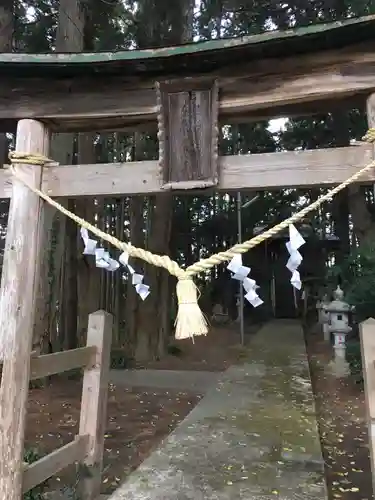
<point x="341" y="415"/>
<point x="137" y="420"/>
<point x="214" y="352"/>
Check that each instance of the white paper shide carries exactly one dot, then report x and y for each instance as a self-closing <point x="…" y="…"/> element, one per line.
<point x="103" y="260"/>
<point x="295" y="258"/>
<point x="137" y="279"/>
<point x="240" y="273"/>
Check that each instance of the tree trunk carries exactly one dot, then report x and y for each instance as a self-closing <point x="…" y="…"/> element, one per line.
<point x="69" y="38"/>
<point x="6" y="45"/>
<point x="136" y="211"/>
<point x="88" y="273"/>
<point x="340" y="203"/>
<point x="364" y="227"/>
<point x="119" y="333"/>
<point x="54" y="288"/>
<point x="153" y="319"/>
<point x="153" y="327"/>
<point x="363" y="224"/>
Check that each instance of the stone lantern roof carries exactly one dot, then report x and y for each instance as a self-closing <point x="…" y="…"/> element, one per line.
<point x="338" y="305"/>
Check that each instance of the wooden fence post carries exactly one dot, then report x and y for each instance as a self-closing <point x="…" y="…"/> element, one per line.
<point x="94" y="402"/>
<point x="17" y="301"/>
<point x="367" y="335"/>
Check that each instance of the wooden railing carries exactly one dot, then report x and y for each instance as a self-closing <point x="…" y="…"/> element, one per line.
<point x="367" y="335"/>
<point x="87" y="447"/>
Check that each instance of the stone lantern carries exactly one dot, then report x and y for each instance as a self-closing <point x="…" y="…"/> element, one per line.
<point x="339" y="311"/>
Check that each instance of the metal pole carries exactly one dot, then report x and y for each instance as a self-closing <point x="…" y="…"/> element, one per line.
<point x="239" y="223"/>
<point x="273" y="287"/>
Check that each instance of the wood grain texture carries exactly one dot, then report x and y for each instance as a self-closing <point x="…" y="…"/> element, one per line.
<point x="17" y="300"/>
<point x="367" y="331"/>
<point x="94" y="401"/>
<point x="37" y="472"/>
<point x="367" y="337"/>
<point x="324" y="167"/>
<point x="161" y="130"/>
<point x="370" y="109"/>
<point x="250" y="90"/>
<point x="187" y="118"/>
<point x="59" y="362"/>
<point x="188" y="185"/>
<point x="215" y="132"/>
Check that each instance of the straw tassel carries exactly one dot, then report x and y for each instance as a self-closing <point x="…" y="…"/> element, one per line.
<point x="190" y="321"/>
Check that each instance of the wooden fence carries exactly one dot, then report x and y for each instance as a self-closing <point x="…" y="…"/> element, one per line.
<point x="87" y="447"/>
<point x="367" y="335"/>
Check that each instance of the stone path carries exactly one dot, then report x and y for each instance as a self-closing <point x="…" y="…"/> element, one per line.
<point x="253" y="436"/>
<point x="179" y="380"/>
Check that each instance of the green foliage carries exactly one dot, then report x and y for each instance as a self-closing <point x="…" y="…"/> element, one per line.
<point x="32" y="455"/>
<point x="203" y="225"/>
<point x="75" y="374"/>
<point x="119" y="360"/>
<point x="354" y="358"/>
<point x="174" y="350"/>
<point x="357" y="278"/>
<point x="36" y="384"/>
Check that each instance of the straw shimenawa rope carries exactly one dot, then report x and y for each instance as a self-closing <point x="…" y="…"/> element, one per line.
<point x="190" y="319"/>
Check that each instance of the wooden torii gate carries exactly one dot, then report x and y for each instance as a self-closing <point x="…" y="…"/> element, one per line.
<point x="186" y="92"/>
